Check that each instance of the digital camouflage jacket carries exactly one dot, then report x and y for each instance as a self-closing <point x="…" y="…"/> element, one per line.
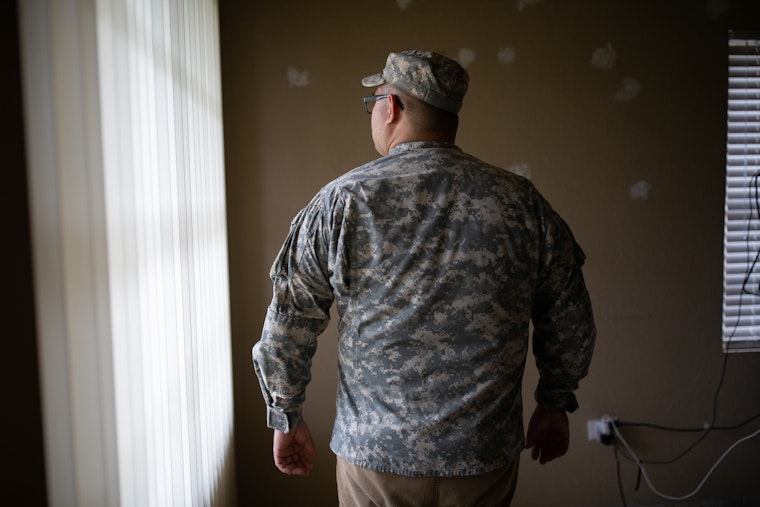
<point x="438" y="263"/>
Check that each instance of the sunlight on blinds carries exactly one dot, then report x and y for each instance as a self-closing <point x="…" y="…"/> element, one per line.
<point x="741" y="269"/>
<point x="123" y="120"/>
<point x="161" y="120"/>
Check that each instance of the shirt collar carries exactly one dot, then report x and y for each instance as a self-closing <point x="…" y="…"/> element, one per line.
<point x="420" y="145"/>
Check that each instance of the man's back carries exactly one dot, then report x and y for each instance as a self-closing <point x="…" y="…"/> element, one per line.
<point x="435" y="260"/>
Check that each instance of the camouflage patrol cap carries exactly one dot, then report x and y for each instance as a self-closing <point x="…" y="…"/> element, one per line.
<point x="427" y="76"/>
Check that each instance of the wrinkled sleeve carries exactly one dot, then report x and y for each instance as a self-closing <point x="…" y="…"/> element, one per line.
<point x="563" y="321"/>
<point x="297" y="315"/>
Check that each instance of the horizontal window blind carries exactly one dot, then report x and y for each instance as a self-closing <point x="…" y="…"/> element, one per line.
<point x="741" y="259"/>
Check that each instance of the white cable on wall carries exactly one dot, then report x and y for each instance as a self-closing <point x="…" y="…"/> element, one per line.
<point x="702" y="482"/>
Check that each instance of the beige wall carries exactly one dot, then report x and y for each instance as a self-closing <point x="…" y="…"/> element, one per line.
<point x="654" y="264"/>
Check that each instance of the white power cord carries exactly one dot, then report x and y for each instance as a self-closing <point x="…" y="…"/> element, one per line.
<point x="646" y="477"/>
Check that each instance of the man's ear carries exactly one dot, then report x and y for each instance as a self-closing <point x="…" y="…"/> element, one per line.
<point x="393" y="109"/>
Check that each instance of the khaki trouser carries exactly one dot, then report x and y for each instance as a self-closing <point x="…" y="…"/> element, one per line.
<point x="361" y="487"/>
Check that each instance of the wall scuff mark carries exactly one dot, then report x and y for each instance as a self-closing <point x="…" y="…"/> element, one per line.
<point x="297" y="78"/>
<point x="604" y="58"/>
<point x="640" y="190"/>
<point x="628" y="90"/>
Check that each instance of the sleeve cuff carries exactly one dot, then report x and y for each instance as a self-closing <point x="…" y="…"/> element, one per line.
<point x="565" y="402"/>
<point x="281" y="421"/>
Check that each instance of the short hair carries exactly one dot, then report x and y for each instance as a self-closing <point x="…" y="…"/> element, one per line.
<point x="427" y="118"/>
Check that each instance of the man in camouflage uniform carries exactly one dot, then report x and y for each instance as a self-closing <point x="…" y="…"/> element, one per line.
<point x="437" y="262"/>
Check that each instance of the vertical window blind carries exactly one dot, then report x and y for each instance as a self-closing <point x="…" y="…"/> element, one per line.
<point x="741" y="259"/>
<point x="123" y="112"/>
<point x="161" y="116"/>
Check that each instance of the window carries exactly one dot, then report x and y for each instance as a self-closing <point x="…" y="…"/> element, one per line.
<point x="741" y="252"/>
<point x="126" y="169"/>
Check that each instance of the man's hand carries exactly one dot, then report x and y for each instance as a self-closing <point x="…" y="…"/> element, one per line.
<point x="292" y="451"/>
<point x="548" y="434"/>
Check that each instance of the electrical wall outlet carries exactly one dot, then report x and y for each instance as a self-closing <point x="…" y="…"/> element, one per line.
<point x="600" y="429"/>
